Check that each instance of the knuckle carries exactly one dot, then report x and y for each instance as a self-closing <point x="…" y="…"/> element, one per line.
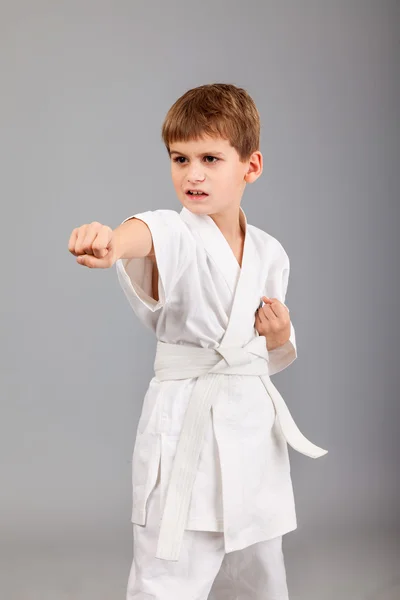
<point x="87" y="246"/>
<point x="98" y="246"/>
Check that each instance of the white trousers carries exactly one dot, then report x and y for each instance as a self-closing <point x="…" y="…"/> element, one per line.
<point x="204" y="571"/>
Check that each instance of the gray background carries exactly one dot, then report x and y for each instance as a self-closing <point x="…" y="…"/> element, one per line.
<point x="84" y="89"/>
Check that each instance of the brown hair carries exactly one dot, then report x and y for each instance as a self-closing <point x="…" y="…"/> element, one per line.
<point x="218" y="110"/>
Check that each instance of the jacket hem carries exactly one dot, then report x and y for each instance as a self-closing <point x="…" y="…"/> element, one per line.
<point x="255" y="536"/>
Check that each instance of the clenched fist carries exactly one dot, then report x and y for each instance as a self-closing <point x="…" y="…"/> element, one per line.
<point x="93" y="245"/>
<point x="273" y="322"/>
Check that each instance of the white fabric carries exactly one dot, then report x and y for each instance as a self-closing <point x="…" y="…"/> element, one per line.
<point x="174" y="361"/>
<point x="242" y="485"/>
<point x="204" y="570"/>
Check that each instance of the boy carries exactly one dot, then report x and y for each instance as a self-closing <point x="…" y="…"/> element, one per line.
<point x="212" y="493"/>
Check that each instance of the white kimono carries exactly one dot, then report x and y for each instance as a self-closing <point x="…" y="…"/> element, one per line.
<point x="242" y="485"/>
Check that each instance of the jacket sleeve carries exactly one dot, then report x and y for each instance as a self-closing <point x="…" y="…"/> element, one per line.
<point x="276" y="287"/>
<point x="173" y="247"/>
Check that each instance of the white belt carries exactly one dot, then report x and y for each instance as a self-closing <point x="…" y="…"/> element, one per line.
<point x="175" y="361"/>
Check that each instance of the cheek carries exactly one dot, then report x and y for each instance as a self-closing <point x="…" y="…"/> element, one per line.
<point x="176" y="179"/>
<point x="229" y="186"/>
<point x="225" y="180"/>
<point x="234" y="178"/>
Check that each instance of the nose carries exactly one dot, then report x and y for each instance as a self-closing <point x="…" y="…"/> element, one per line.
<point x="195" y="173"/>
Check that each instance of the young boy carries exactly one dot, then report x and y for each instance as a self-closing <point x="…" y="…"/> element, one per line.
<point x="212" y="492"/>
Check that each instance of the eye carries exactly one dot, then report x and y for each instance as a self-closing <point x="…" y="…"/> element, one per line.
<point x="181" y="159"/>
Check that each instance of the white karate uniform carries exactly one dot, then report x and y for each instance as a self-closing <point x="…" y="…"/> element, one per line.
<point x="242" y="485"/>
<point x="204" y="570"/>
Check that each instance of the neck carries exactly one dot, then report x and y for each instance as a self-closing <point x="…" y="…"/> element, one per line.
<point x="228" y="222"/>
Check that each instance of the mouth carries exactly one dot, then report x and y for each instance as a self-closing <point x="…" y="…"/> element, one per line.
<point x="198" y="195"/>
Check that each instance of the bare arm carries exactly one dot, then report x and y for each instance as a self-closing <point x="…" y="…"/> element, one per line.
<point x="98" y="246"/>
<point x="132" y="239"/>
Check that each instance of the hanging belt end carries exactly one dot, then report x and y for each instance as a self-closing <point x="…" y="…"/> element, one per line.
<point x="318" y="453"/>
<point x="165" y="553"/>
<point x="169" y="549"/>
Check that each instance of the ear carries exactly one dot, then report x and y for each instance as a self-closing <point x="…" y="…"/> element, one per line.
<point x="255" y="167"/>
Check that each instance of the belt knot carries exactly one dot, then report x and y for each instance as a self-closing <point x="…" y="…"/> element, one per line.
<point x="235" y="356"/>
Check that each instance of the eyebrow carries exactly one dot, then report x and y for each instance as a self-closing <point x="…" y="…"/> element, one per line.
<point x="201" y="154"/>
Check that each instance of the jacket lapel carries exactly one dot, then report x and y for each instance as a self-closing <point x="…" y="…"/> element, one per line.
<point x="215" y="245"/>
<point x="240" y="328"/>
<point x="242" y="282"/>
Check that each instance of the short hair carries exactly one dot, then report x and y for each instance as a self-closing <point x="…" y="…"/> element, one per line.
<point x="217" y="110"/>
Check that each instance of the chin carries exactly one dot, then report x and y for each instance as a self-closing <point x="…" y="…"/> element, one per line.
<point x="198" y="208"/>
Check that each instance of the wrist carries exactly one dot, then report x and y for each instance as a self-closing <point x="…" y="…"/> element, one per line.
<point x="274" y="344"/>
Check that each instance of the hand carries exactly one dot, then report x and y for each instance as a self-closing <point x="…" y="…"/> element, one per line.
<point x="93" y="245"/>
<point x="273" y="322"/>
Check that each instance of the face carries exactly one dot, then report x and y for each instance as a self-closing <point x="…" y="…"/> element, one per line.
<point x="211" y="165"/>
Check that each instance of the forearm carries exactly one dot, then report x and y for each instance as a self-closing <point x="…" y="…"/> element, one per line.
<point x="132" y="239"/>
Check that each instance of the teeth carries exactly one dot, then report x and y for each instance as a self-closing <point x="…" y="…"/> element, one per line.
<point x="196" y="193"/>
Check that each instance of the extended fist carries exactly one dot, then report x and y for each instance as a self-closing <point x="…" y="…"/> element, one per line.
<point x="93" y="246"/>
